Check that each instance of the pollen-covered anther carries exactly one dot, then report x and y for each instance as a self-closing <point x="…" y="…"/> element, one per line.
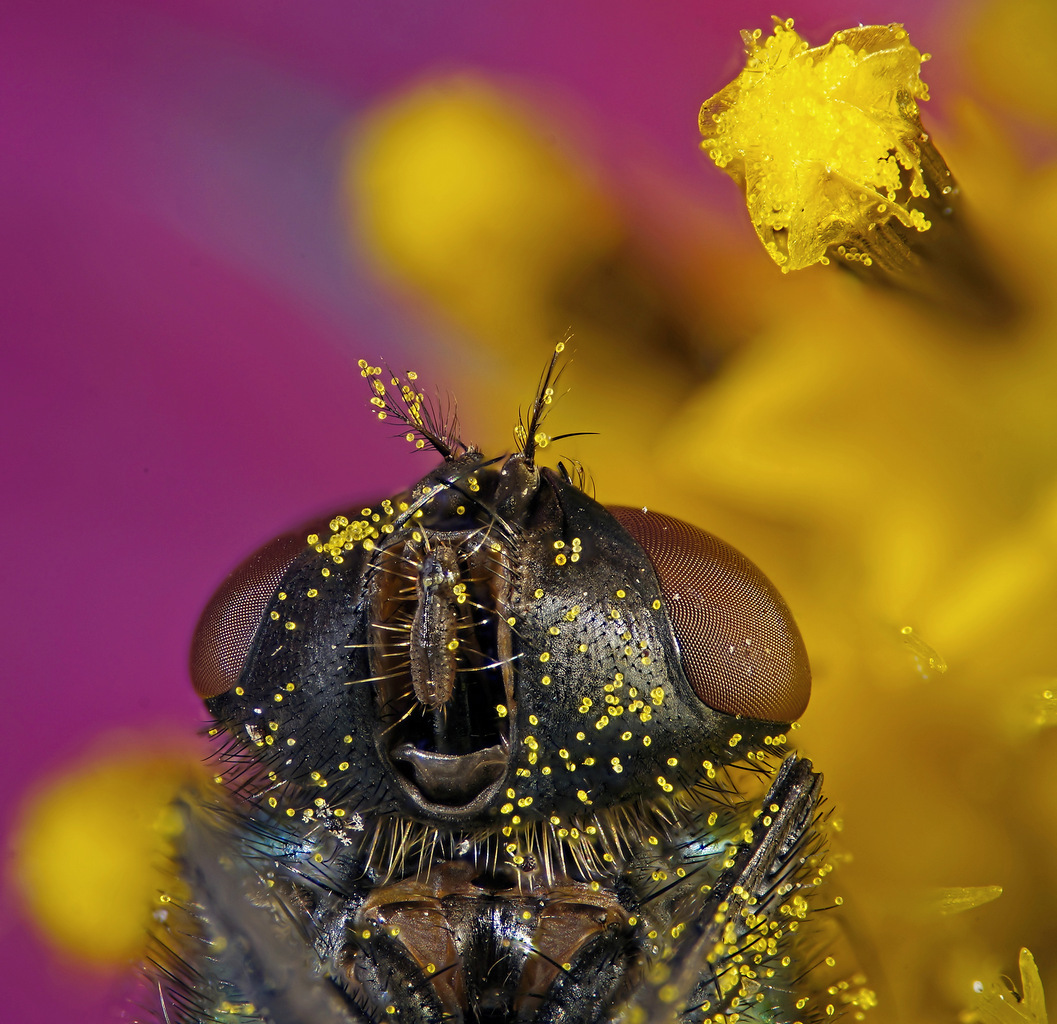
<point x="828" y="147"/>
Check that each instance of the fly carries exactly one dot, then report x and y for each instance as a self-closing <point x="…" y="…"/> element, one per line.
<point x="498" y="753"/>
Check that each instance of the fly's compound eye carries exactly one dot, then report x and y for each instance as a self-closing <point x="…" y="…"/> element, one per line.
<point x="741" y="650"/>
<point x="227" y="628"/>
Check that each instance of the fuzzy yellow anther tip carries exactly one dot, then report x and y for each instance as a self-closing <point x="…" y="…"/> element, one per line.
<point x="825" y="141"/>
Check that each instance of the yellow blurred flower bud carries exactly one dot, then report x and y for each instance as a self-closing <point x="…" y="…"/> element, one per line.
<point x="91" y="855"/>
<point x="465" y="193"/>
<point x="456" y="192"/>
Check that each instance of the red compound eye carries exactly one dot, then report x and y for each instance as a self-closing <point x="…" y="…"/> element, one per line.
<point x="741" y="649"/>
<point x="230" y="621"/>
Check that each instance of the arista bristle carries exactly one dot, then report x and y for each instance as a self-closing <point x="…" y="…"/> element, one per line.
<point x="400" y="400"/>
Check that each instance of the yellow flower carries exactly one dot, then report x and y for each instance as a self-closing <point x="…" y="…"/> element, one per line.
<point x="891" y="465"/>
<point x="91" y="853"/>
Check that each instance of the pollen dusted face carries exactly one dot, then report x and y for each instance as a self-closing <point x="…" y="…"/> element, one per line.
<point x="495" y="647"/>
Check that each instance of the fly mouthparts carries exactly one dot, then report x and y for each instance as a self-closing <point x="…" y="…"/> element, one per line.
<point x="452" y="778"/>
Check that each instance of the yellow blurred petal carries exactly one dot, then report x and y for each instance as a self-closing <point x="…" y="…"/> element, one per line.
<point x="91" y="852"/>
<point x="1003" y="43"/>
<point x="999" y="1005"/>
<point x="1008" y="585"/>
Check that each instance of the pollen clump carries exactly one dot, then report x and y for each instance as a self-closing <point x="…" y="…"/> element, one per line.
<point x="826" y="141"/>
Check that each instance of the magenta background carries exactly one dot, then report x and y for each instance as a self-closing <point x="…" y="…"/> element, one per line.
<point x="181" y="315"/>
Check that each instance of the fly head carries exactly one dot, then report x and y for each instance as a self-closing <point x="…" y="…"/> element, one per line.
<point x="493" y="648"/>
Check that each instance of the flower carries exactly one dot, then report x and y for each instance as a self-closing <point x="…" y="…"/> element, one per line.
<point x="114" y="811"/>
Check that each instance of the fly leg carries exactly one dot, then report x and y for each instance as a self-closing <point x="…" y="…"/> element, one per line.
<point x="728" y="957"/>
<point x="260" y="965"/>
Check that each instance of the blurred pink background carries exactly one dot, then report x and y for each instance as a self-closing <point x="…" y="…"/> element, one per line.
<point x="182" y="313"/>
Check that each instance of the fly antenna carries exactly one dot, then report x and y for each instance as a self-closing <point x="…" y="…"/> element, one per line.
<point x="401" y="400"/>
<point x="530" y="436"/>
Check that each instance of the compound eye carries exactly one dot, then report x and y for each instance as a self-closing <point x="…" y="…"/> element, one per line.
<point x="741" y="649"/>
<point x="226" y="630"/>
